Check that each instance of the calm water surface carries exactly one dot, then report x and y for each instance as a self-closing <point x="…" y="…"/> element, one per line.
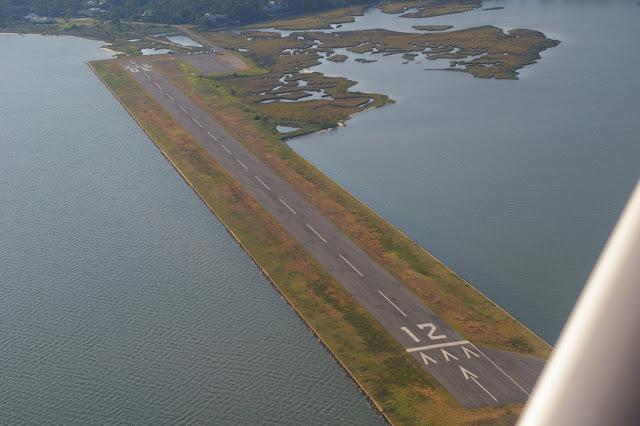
<point x="515" y="184"/>
<point x="122" y="299"/>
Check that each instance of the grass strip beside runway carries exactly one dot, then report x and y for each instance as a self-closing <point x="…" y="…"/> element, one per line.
<point x="406" y="393"/>
<point x="444" y="292"/>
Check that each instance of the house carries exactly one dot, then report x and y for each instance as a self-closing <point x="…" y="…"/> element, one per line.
<point x="33" y="18"/>
<point x="96" y="11"/>
<point x="215" y="19"/>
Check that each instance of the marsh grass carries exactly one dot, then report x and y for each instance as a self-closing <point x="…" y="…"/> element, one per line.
<point x="405" y="392"/>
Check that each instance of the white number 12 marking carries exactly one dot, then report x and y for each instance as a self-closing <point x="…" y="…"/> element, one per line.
<point x="432" y="331"/>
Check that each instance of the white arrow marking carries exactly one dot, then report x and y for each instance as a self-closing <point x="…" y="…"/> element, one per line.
<point x="447" y="355"/>
<point x="467" y="374"/>
<point x="468" y="353"/>
<point x="470" y="376"/>
<point x="426" y="358"/>
<point x="501" y="370"/>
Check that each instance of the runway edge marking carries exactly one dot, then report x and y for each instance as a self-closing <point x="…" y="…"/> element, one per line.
<point x="295" y="308"/>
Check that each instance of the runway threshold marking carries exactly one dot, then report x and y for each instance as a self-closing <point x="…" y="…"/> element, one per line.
<point x="284" y="203"/>
<point x="439" y="345"/>
<point x="317" y="233"/>
<point x="474" y="377"/>
<point x="395" y="306"/>
<point x="468" y="375"/>
<point x="262" y="183"/>
<point x="242" y="164"/>
<point x="351" y="265"/>
<point x="197" y="122"/>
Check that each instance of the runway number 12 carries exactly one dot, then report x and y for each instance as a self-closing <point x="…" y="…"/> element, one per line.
<point x="431" y="332"/>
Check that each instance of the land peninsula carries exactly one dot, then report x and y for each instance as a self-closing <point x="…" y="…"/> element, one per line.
<point x="275" y="85"/>
<point x="428" y="8"/>
<point x="432" y="27"/>
<point x="284" y="90"/>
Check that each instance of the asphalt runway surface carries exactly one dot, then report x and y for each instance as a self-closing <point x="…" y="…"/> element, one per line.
<point x="476" y="377"/>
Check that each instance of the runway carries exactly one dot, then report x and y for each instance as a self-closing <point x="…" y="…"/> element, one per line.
<point x="475" y="376"/>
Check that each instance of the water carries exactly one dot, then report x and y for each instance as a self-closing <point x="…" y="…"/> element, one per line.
<point x="122" y="299"/>
<point x="515" y="184"/>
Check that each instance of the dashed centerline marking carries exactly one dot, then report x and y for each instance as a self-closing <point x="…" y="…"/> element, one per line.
<point x="287" y="206"/>
<point x="170" y="97"/>
<point x="183" y="110"/>
<point x="157" y="85"/>
<point x="242" y="164"/>
<point x="352" y="267"/>
<point x="394" y="305"/>
<point x="317" y="233"/>
<point x="147" y="75"/>
<point x="226" y="149"/>
<point x="212" y="137"/>
<point x="439" y="345"/>
<point x="262" y="183"/>
<point x="197" y="122"/>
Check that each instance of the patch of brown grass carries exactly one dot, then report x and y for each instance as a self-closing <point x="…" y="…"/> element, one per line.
<point x="406" y="393"/>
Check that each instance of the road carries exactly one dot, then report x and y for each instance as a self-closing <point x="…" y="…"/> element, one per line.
<point x="474" y="376"/>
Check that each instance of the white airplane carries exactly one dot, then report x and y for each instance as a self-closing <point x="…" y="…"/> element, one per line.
<point x="593" y="375"/>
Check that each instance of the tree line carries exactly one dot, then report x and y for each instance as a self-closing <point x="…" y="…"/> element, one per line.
<point x="165" y="11"/>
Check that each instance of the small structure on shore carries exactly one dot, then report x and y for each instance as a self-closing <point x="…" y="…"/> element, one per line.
<point x="34" y="18"/>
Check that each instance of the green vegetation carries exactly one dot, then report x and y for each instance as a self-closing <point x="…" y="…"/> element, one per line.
<point x="428" y="8"/>
<point x="498" y="55"/>
<point x="337" y="58"/>
<point x="202" y="12"/>
<point x="279" y="85"/>
<point x="225" y="98"/>
<point x="405" y="393"/>
<point x="317" y="21"/>
<point x="221" y="12"/>
<point x="432" y="27"/>
<point x="123" y="37"/>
